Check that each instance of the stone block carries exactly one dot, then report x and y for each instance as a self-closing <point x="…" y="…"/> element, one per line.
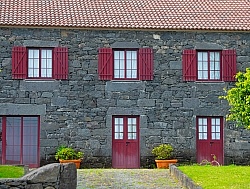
<point x="105" y="102"/>
<point x="243" y="59"/>
<point x="34" y="186"/>
<point x="175" y="65"/>
<point x="47" y="94"/>
<point x="22" y="109"/>
<point x="126" y="103"/>
<point x="40" y="43"/>
<point x="59" y="101"/>
<point x="190" y="103"/>
<point x="112" y="86"/>
<point x="39" y="85"/>
<point x="146" y="102"/>
<point x="49" y="143"/>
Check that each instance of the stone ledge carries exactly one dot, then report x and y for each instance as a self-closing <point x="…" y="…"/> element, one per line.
<point x="183" y="179"/>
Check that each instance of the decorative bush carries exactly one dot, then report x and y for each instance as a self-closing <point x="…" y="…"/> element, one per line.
<point x="163" y="151"/>
<point x="68" y="153"/>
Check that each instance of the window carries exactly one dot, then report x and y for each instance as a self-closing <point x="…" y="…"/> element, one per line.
<point x="125" y="64"/>
<point x="209" y="128"/>
<point x="125" y="127"/>
<point x="20" y="140"/>
<point x="41" y="63"/>
<point x="209" y="65"/>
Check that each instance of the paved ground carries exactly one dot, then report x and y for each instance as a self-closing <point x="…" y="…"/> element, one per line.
<point x="126" y="179"/>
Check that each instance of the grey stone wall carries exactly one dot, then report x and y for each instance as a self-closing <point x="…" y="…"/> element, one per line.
<point x="78" y="111"/>
<point x="52" y="176"/>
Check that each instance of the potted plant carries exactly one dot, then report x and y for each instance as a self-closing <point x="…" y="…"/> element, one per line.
<point x="164" y="155"/>
<point x="68" y="154"/>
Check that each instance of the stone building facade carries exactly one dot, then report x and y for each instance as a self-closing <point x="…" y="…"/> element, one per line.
<point x="78" y="111"/>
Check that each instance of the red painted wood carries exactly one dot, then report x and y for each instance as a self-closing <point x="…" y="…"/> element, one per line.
<point x="105" y="64"/>
<point x="21" y="141"/>
<point x="146" y="64"/>
<point x="125" y="152"/>
<point x="189" y="65"/>
<point x="60" y="63"/>
<point x="19" y="62"/>
<point x="209" y="146"/>
<point x="229" y="64"/>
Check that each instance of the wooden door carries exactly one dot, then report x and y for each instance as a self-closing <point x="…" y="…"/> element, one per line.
<point x="20" y="143"/>
<point x="125" y="142"/>
<point x="210" y="139"/>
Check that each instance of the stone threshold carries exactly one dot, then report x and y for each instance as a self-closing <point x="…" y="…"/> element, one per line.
<point x="182" y="178"/>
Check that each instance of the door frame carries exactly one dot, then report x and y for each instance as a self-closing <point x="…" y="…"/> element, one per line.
<point x="209" y="130"/>
<point x="4" y="130"/>
<point x="138" y="135"/>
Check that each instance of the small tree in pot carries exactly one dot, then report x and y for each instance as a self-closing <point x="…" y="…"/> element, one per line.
<point x="164" y="155"/>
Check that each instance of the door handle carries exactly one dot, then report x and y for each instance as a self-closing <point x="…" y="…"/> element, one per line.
<point x="127" y="143"/>
<point x="211" y="143"/>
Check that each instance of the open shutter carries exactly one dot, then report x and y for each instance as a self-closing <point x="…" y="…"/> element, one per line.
<point x="60" y="63"/>
<point x="146" y="64"/>
<point x="189" y="65"/>
<point x="105" y="64"/>
<point x="228" y="65"/>
<point x="19" y="62"/>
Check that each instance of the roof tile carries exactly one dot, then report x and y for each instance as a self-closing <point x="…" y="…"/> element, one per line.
<point x="132" y="14"/>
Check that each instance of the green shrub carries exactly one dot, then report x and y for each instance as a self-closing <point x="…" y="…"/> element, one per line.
<point x="68" y="153"/>
<point x="163" y="151"/>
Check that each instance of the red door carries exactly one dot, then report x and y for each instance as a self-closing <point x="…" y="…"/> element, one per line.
<point x="125" y="142"/>
<point x="210" y="139"/>
<point x="20" y="140"/>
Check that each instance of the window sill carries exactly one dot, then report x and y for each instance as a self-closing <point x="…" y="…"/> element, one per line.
<point x="40" y="80"/>
<point x="127" y="81"/>
<point x="210" y="82"/>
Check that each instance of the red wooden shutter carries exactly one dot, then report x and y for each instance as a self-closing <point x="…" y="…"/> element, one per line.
<point x="228" y="65"/>
<point x="189" y="65"/>
<point x="146" y="64"/>
<point x="19" y="62"/>
<point x="60" y="63"/>
<point x="105" y="64"/>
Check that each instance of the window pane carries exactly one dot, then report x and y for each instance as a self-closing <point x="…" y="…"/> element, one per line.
<point x="218" y="129"/>
<point x="129" y="74"/>
<point x="49" y="64"/>
<point x="116" y="74"/>
<point x="134" y="55"/>
<point x="122" y="74"/>
<point x="35" y="73"/>
<point x="121" y="65"/>
<point x="129" y="55"/>
<point x="217" y="56"/>
<point x="44" y="63"/>
<point x="134" y="64"/>
<point x="213" y="136"/>
<point x="218" y="136"/>
<point x="49" y="72"/>
<point x="36" y="54"/>
<point x="130" y="136"/>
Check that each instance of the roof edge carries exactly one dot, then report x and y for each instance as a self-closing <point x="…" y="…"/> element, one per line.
<point x="122" y="28"/>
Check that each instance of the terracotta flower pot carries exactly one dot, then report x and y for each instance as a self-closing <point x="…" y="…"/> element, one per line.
<point x="76" y="161"/>
<point x="164" y="164"/>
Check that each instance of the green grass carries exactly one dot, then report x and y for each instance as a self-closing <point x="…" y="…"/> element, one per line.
<point x="223" y="177"/>
<point x="7" y="171"/>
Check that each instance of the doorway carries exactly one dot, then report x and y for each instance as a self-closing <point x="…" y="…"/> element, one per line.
<point x="20" y="140"/>
<point x="125" y="142"/>
<point x="210" y="139"/>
